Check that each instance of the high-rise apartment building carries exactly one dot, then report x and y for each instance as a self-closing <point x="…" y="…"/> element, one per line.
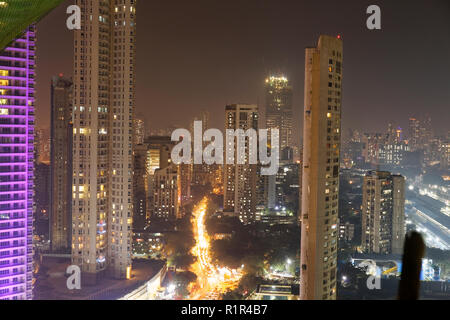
<point x="167" y="193"/>
<point x="420" y="133"/>
<point x="265" y="191"/>
<point x="421" y="138"/>
<point x="61" y="164"/>
<point x="445" y="154"/>
<point x="321" y="154"/>
<point x="240" y="180"/>
<point x="140" y="187"/>
<point x="279" y="109"/>
<point x="159" y="149"/>
<point x="17" y="98"/>
<point x="383" y="213"/>
<point x="201" y="172"/>
<point x="104" y="99"/>
<point x="41" y="203"/>
<point x="414" y="134"/>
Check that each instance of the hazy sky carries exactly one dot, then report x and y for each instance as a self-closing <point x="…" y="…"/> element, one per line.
<point x="196" y="54"/>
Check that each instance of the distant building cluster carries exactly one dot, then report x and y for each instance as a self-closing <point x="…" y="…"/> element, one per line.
<point x="418" y="147"/>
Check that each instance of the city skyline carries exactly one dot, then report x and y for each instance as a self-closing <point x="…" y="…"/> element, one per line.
<point x="273" y="43"/>
<point x="108" y="198"/>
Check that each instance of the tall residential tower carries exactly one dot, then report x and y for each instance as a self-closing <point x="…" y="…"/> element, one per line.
<point x="61" y="164"/>
<point x="279" y="109"/>
<point x="321" y="153"/>
<point x="240" y="179"/>
<point x="383" y="213"/>
<point x="17" y="97"/>
<point x="104" y="98"/>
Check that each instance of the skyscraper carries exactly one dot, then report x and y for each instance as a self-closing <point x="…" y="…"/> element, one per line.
<point x="104" y="99"/>
<point x="200" y="172"/>
<point x="159" y="149"/>
<point x="445" y="154"/>
<point x="383" y="213"/>
<point x="279" y="109"/>
<point x="167" y="193"/>
<point x="414" y="134"/>
<point x="139" y="187"/>
<point x="61" y="164"/>
<point x="240" y="179"/>
<point x="321" y="153"/>
<point x="17" y="97"/>
<point x="372" y="144"/>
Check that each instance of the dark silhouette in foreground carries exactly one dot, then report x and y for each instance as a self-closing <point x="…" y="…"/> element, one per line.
<point x="413" y="252"/>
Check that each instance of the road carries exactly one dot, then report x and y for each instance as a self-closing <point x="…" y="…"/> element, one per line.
<point x="428" y="214"/>
<point x="212" y="280"/>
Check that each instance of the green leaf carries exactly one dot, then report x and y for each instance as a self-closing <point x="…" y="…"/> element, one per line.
<point x="17" y="15"/>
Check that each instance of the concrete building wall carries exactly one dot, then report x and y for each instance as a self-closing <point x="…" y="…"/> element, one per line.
<point x="104" y="99"/>
<point x="61" y="165"/>
<point x="321" y="153"/>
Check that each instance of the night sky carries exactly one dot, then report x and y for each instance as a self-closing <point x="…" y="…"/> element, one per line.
<point x="195" y="55"/>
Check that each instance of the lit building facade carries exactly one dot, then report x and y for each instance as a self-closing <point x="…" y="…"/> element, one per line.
<point x="420" y="134"/>
<point x="321" y="158"/>
<point x="445" y="155"/>
<point x="201" y="172"/>
<point x="167" y="193"/>
<point x="393" y="154"/>
<point x="61" y="164"/>
<point x="17" y="98"/>
<point x="104" y="99"/>
<point x="383" y="213"/>
<point x="140" y="187"/>
<point x="372" y="144"/>
<point x="279" y="109"/>
<point x="240" y="180"/>
<point x="346" y="232"/>
<point x="414" y="134"/>
<point x="159" y="149"/>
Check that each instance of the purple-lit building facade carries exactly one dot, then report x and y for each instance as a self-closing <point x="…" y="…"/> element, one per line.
<point x="17" y="64"/>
